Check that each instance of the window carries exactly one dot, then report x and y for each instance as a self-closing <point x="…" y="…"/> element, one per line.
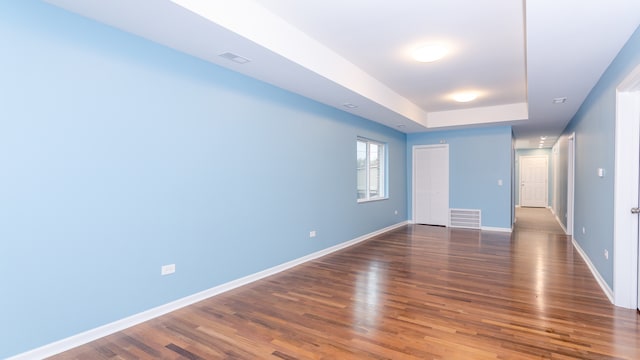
<point x="371" y="169"/>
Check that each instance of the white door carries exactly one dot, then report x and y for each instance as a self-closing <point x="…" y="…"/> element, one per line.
<point x="533" y="181"/>
<point x="431" y="184"/>
<point x="626" y="270"/>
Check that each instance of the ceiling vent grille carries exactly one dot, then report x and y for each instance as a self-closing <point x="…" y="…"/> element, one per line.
<point x="465" y="218"/>
<point x="235" y="58"/>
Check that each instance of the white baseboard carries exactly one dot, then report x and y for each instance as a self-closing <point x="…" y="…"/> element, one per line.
<point x="500" y="229"/>
<point x="561" y="224"/>
<point x="603" y="284"/>
<point x="119" y="325"/>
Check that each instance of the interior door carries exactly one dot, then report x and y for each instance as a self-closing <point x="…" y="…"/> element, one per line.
<point x="431" y="184"/>
<point x="534" y="181"/>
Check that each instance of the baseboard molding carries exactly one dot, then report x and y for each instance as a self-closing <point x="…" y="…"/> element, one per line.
<point x="499" y="229"/>
<point x="561" y="224"/>
<point x="603" y="284"/>
<point x="484" y="228"/>
<point x="119" y="325"/>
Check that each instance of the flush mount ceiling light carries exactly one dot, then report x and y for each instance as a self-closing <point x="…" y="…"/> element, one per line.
<point x="429" y="52"/>
<point x="465" y="96"/>
<point x="559" y="100"/>
<point x="235" y="58"/>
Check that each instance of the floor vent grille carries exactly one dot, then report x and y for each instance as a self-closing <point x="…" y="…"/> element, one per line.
<point x="465" y="218"/>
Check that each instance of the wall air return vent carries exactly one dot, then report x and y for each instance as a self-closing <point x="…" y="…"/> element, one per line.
<point x="465" y="218"/>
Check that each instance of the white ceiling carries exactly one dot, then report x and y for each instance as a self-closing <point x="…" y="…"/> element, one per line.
<point x="518" y="55"/>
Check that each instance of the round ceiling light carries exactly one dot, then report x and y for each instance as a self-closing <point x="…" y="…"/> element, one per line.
<point x="429" y="52"/>
<point x="465" y="96"/>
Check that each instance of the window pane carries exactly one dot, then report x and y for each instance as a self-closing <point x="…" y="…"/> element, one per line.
<point x="362" y="169"/>
<point x="370" y="169"/>
<point x="381" y="171"/>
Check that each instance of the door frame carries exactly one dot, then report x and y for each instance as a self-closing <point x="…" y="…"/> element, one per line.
<point x="571" y="175"/>
<point x="546" y="169"/>
<point x="413" y="176"/>
<point x="626" y="182"/>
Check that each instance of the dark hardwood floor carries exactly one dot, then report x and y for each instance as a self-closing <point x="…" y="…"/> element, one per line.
<point x="418" y="292"/>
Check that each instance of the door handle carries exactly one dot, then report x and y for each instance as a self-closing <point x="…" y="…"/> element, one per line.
<point x="635" y="210"/>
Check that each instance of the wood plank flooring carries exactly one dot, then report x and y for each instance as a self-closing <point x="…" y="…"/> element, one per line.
<point x="537" y="219"/>
<point x="418" y="292"/>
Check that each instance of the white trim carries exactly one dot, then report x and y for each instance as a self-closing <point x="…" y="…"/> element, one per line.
<point x="603" y="284"/>
<point x="626" y="169"/>
<point x="555" y="216"/>
<point x="571" y="183"/>
<point x="119" y="325"/>
<point x="483" y="228"/>
<point x="561" y="225"/>
<point x="500" y="229"/>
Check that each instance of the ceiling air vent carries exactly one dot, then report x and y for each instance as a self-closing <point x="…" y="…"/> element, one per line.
<point x="235" y="58"/>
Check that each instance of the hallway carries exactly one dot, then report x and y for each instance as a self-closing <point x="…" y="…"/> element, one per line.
<point x="537" y="219"/>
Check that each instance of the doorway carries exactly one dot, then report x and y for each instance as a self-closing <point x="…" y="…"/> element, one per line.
<point x="431" y="184"/>
<point x="571" y="161"/>
<point x="626" y="271"/>
<point x="534" y="181"/>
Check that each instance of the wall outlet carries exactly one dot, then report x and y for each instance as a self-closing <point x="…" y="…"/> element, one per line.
<point x="396" y="212"/>
<point x="584" y="231"/>
<point x="312" y="234"/>
<point x="606" y="254"/>
<point x="168" y="269"/>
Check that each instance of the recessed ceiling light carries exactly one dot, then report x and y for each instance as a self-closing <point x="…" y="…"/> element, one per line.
<point x="235" y="58"/>
<point x="543" y="138"/>
<point x="430" y="52"/>
<point x="400" y="126"/>
<point x="350" y="105"/>
<point x="560" y="100"/>
<point x="465" y="96"/>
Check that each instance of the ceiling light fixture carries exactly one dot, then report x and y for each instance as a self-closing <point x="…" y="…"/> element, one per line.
<point x="430" y="52"/>
<point x="465" y="96"/>
<point x="560" y="100"/>
<point x="350" y="105"/>
<point x="543" y="138"/>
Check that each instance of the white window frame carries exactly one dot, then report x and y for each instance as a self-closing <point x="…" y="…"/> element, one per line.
<point x="383" y="189"/>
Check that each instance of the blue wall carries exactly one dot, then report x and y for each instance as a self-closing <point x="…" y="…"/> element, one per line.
<point x="594" y="125"/>
<point x="535" y="152"/>
<point x="478" y="158"/>
<point x="118" y="155"/>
